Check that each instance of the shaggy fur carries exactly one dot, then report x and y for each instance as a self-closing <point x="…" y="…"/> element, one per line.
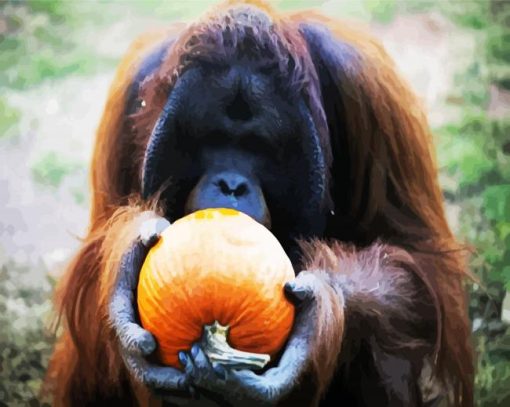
<point x="391" y="272"/>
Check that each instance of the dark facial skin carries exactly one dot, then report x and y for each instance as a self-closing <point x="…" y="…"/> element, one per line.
<point x="230" y="181"/>
<point x="230" y="137"/>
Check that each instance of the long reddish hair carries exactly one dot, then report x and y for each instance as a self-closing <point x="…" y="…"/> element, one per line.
<point x="387" y="136"/>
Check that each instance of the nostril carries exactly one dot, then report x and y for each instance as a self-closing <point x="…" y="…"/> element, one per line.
<point x="232" y="187"/>
<point x="240" y="190"/>
<point x="225" y="189"/>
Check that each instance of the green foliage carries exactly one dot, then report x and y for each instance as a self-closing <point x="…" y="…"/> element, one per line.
<point x="498" y="44"/>
<point x="460" y="154"/>
<point x="36" y="44"/>
<point x="418" y="6"/>
<point x="52" y="168"/>
<point x="79" y="195"/>
<point x="296" y="4"/>
<point x="475" y="153"/>
<point x="25" y="341"/>
<point x="496" y="203"/>
<point x="471" y="14"/>
<point x="56" y="9"/>
<point x="9" y="116"/>
<point x="493" y="369"/>
<point x="173" y="10"/>
<point x="382" y="10"/>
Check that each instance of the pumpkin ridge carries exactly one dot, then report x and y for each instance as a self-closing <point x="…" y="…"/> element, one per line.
<point x="211" y="266"/>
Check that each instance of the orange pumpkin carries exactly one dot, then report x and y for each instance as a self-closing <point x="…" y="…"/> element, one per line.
<point x="218" y="269"/>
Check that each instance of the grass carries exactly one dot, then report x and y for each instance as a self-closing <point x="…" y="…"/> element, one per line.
<point x="25" y="343"/>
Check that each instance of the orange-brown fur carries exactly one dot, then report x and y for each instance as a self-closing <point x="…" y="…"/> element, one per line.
<point x="389" y="133"/>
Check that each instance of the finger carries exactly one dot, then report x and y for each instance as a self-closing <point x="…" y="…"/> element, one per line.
<point x="200" y="360"/>
<point x="298" y="293"/>
<point x="192" y="374"/>
<point x="189" y="367"/>
<point x="304" y="287"/>
<point x="132" y="337"/>
<point x="182" y="358"/>
<point x="135" y="339"/>
<point x="204" y="371"/>
<point x="156" y="377"/>
<point x="204" y="375"/>
<point x="129" y="269"/>
<point x="165" y="378"/>
<point x="151" y="229"/>
<point x="122" y="301"/>
<point x="220" y="371"/>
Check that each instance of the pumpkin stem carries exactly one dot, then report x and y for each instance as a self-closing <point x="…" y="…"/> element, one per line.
<point x="217" y="349"/>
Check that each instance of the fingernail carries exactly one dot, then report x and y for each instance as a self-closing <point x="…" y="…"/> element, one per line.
<point x="289" y="287"/>
<point x="296" y="292"/>
<point x="292" y="289"/>
<point x="300" y="294"/>
<point x="194" y="350"/>
<point x="147" y="345"/>
<point x="182" y="358"/>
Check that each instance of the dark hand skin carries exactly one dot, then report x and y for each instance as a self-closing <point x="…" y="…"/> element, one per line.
<point x="135" y="342"/>
<point x="244" y="387"/>
<point x="200" y="378"/>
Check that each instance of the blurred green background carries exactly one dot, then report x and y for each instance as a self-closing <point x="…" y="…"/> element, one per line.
<point x="57" y="59"/>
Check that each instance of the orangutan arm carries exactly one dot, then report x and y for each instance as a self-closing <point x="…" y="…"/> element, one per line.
<point x="136" y="343"/>
<point x="390" y="314"/>
<point x="347" y="300"/>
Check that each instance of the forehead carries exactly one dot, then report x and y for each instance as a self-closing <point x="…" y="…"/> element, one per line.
<point x="236" y="99"/>
<point x="242" y="35"/>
